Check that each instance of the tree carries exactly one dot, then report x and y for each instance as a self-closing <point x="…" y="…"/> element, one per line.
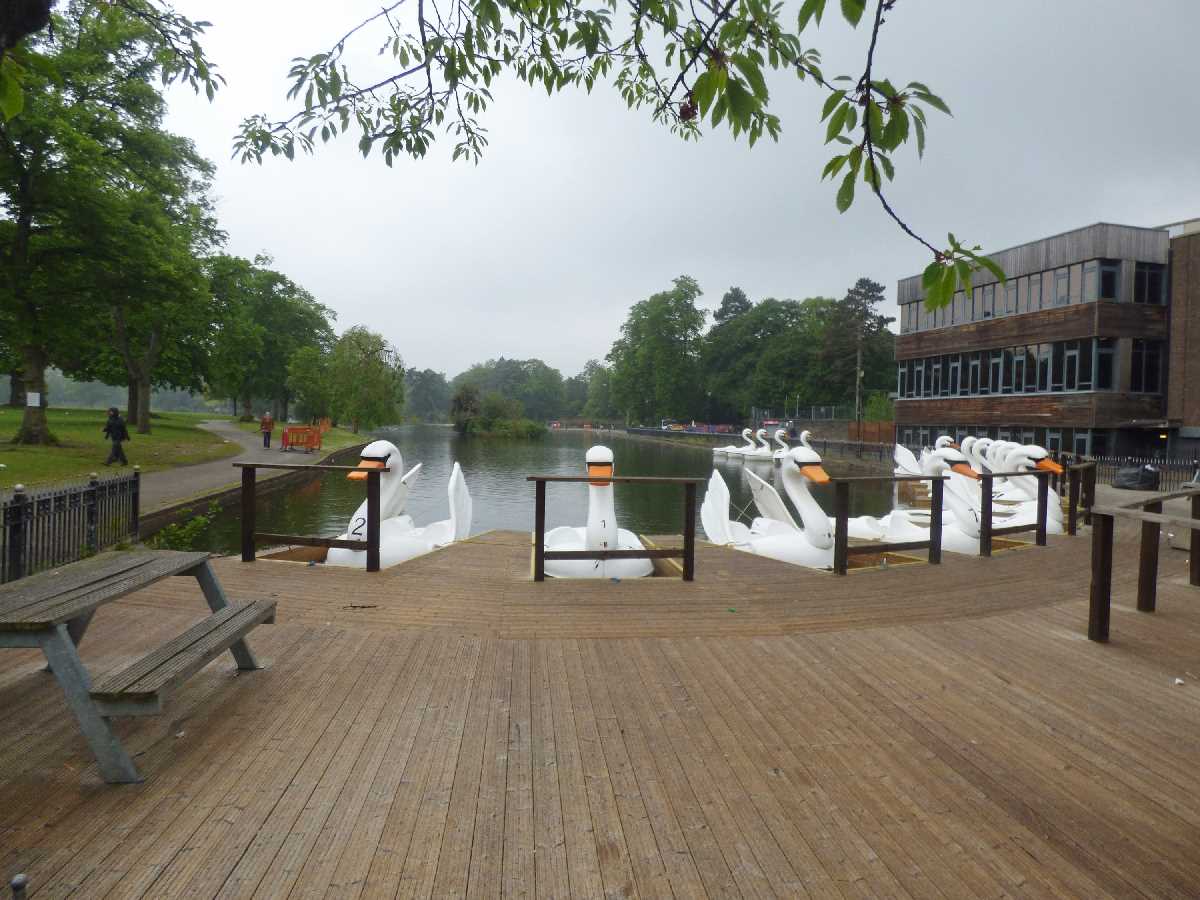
<point x="733" y="304"/>
<point x="310" y="382"/>
<point x="71" y="165"/>
<point x="859" y="337"/>
<point x="537" y="386"/>
<point x="367" y="379"/>
<point x="427" y="395"/>
<point x="692" y="66"/>
<point x="465" y="406"/>
<point x="599" y="395"/>
<point x="656" y="361"/>
<point x="267" y="317"/>
<point x="732" y="353"/>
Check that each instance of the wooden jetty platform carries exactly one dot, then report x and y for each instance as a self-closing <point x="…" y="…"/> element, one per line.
<point x="448" y="728"/>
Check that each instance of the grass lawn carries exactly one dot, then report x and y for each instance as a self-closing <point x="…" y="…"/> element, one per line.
<point x="174" y="441"/>
<point x="334" y="439"/>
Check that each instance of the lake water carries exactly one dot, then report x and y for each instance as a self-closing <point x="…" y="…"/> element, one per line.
<point x="495" y="471"/>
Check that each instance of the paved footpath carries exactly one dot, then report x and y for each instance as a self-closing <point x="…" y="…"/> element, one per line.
<point x="171" y="486"/>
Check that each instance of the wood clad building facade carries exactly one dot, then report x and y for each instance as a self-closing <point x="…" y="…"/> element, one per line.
<point x="1091" y="345"/>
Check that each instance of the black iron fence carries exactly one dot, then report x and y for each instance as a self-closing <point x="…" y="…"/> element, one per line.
<point x="52" y="527"/>
<point x="1173" y="472"/>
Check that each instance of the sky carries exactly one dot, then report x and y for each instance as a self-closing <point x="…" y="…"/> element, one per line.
<point x="1065" y="113"/>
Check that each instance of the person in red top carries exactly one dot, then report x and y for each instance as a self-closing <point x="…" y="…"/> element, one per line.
<point x="266" y="425"/>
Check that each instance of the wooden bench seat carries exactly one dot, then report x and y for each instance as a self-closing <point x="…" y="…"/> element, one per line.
<point x="138" y="690"/>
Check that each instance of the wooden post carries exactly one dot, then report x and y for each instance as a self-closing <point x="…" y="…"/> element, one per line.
<point x="135" y="504"/>
<point x="841" y="534"/>
<point x="1073" y="501"/>
<point x="1195" y="549"/>
<point x="91" y="506"/>
<point x="935" y="523"/>
<point x="372" y="520"/>
<point x="689" y="531"/>
<point x="18" y="885"/>
<point x="1043" y="508"/>
<point x="1148" y="562"/>
<point x="539" y="531"/>
<point x="15" y="513"/>
<point x="1089" y="493"/>
<point x="248" y="514"/>
<point x="1101" y="595"/>
<point x="985" y="514"/>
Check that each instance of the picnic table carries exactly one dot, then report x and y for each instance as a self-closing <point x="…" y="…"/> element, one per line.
<point x="52" y="611"/>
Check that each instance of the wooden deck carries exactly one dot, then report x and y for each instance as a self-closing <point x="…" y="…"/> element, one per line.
<point x="448" y="728"/>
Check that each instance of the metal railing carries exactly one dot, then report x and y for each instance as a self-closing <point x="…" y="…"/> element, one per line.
<point x="1148" y="511"/>
<point x="541" y="554"/>
<point x="56" y="526"/>
<point x="250" y="537"/>
<point x="1173" y="472"/>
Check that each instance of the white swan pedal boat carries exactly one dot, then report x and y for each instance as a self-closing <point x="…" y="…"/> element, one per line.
<point x="600" y="533"/>
<point x="400" y="538"/>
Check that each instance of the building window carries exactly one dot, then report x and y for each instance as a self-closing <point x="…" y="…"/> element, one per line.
<point x="1149" y="283"/>
<point x="1010" y="298"/>
<point x="975" y="386"/>
<point x="989" y="301"/>
<point x="1007" y="373"/>
<point x="1035" y="292"/>
<point x="1145" y="365"/>
<point x="1044" y="353"/>
<point x="1031" y="357"/>
<point x="1085" y="365"/>
<point x="1071" y="375"/>
<point x="1062" y="287"/>
<point x="1058" y="360"/>
<point x="1018" y="370"/>
<point x="1106" y="351"/>
<point x="1091" y="275"/>
<point x="1110" y="279"/>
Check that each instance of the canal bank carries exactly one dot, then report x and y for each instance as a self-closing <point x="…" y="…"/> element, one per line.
<point x="176" y="494"/>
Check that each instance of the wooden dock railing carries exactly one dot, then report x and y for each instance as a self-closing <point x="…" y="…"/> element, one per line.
<point x="987" y="529"/>
<point x="842" y="550"/>
<point x="250" y="537"/>
<point x="1148" y="511"/>
<point x="541" y="554"/>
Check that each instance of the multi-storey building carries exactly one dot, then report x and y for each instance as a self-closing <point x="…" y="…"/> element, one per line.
<point x="1091" y="345"/>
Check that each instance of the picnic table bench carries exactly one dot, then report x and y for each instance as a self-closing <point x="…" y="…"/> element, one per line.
<point x="51" y="611"/>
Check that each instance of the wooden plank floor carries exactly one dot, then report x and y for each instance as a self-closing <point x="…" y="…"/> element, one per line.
<point x="449" y="729"/>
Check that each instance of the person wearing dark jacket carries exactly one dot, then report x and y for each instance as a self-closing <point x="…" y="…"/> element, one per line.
<point x="115" y="431"/>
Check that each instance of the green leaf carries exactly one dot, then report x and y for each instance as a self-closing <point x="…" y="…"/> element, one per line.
<point x="853" y="10"/>
<point x="875" y="120"/>
<point x="992" y="267"/>
<point x="936" y="102"/>
<point x="888" y="169"/>
<point x="741" y="102"/>
<point x="12" y="97"/>
<point x="845" y="194"/>
<point x="753" y="75"/>
<point x="932" y="273"/>
<point x="964" y="274"/>
<point x="812" y="9"/>
<point x="836" y="122"/>
<point x="895" y="132"/>
<point x="832" y="167"/>
<point x="920" y="128"/>
<point x="704" y="89"/>
<point x="831" y="104"/>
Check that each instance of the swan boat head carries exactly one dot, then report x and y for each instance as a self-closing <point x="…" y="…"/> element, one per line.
<point x="378" y="455"/>
<point x="805" y="435"/>
<point x="802" y="467"/>
<point x="601" y="529"/>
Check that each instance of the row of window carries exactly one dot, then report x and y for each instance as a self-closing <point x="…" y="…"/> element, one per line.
<point x="1084" y="365"/>
<point x="1082" y="441"/>
<point x="1097" y="279"/>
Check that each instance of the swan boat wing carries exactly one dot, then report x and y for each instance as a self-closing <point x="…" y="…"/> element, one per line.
<point x="770" y="505"/>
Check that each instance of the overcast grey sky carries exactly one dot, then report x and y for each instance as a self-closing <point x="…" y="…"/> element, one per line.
<point x="1066" y="112"/>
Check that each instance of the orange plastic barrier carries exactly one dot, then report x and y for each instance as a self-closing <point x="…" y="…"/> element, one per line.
<point x="301" y="437"/>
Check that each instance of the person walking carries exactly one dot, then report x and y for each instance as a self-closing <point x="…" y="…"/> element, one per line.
<point x="266" y="425"/>
<point x="115" y="431"/>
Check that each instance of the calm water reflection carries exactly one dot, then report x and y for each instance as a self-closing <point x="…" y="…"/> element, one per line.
<point x="495" y="472"/>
